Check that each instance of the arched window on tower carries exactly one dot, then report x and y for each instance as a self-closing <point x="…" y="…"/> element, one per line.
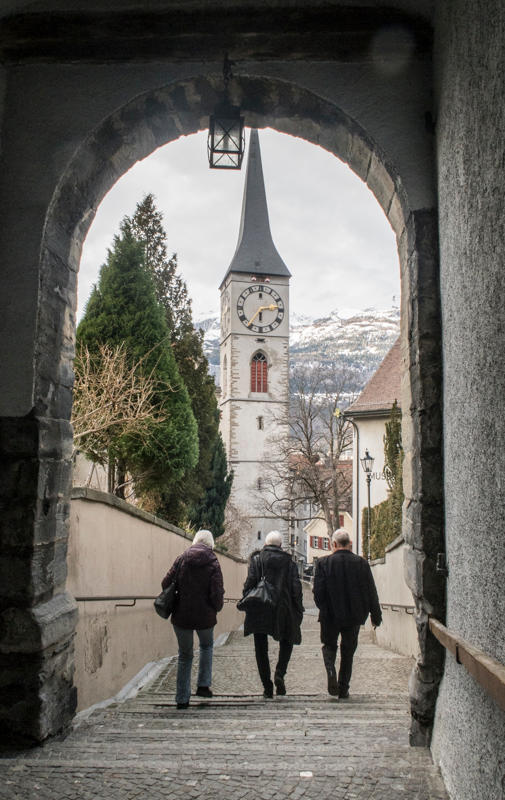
<point x="259" y="373"/>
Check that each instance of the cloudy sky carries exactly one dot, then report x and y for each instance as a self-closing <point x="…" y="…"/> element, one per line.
<point x="326" y="224"/>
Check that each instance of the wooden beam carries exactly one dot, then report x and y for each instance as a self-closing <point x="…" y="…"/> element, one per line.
<point x="486" y="670"/>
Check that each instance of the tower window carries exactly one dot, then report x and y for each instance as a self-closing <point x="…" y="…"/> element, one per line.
<point x="259" y="534"/>
<point x="260" y="423"/>
<point x="258" y="483"/>
<point x="259" y="373"/>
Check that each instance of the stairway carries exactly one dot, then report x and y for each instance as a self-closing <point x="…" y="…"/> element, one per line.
<point x="239" y="746"/>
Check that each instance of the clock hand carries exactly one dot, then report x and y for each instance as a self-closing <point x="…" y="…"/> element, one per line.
<point x="271" y="307"/>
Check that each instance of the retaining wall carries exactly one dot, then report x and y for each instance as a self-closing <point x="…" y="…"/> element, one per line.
<point x="398" y="631"/>
<point x="118" y="550"/>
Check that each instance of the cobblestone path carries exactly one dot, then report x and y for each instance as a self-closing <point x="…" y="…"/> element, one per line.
<point x="238" y="746"/>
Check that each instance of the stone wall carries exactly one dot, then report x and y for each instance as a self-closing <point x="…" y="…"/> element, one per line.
<point x="116" y="550"/>
<point x="470" y="729"/>
<point x="72" y="126"/>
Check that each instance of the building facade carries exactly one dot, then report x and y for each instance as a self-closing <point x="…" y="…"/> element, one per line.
<point x="369" y="414"/>
<point x="254" y="358"/>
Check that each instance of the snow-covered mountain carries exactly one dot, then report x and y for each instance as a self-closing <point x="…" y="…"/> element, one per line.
<point x="346" y="338"/>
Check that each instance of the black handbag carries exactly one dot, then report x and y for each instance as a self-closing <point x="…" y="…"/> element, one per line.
<point x="262" y="596"/>
<point x="166" y="601"/>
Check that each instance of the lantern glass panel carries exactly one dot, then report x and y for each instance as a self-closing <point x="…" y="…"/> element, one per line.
<point x="367" y="462"/>
<point x="226" y="142"/>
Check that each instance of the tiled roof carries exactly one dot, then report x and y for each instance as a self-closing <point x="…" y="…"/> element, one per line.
<point x="384" y="387"/>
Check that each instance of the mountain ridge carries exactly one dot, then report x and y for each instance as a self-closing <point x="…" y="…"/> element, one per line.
<point x="355" y="339"/>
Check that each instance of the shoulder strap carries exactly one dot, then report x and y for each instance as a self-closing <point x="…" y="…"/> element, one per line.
<point x="262" y="568"/>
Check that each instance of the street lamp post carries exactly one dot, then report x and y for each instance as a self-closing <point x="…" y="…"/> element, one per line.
<point x="367" y="464"/>
<point x="338" y="413"/>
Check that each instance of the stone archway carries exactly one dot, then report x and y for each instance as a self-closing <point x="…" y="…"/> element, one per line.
<point x="38" y="637"/>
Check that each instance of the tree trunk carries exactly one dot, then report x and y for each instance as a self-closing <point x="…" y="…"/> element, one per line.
<point x="119" y="490"/>
<point x="111" y="474"/>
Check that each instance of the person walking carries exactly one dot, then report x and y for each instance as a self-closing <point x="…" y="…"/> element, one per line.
<point x="281" y="621"/>
<point x="345" y="594"/>
<point x="200" y="596"/>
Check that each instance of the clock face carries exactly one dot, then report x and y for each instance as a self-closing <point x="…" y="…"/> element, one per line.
<point x="260" y="308"/>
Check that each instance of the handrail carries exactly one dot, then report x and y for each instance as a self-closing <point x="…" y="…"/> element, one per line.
<point x="486" y="670"/>
<point x="398" y="606"/>
<point x="110" y="598"/>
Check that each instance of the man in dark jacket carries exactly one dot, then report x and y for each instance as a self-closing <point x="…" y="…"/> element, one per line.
<point x="345" y="593"/>
<point x="200" y="596"/>
<point x="282" y="621"/>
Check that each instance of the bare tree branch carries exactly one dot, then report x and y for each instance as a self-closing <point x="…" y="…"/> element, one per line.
<point x="308" y="465"/>
<point x="112" y="397"/>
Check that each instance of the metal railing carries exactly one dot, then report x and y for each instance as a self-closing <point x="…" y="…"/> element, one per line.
<point x="112" y="598"/>
<point x="398" y="607"/>
<point x="486" y="670"/>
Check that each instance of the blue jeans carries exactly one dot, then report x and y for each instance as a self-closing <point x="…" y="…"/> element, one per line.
<point x="185" y="642"/>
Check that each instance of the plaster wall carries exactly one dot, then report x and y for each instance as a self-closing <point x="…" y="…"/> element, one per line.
<point x="116" y="550"/>
<point x="469" y="733"/>
<point x="317" y="527"/>
<point x="398" y="631"/>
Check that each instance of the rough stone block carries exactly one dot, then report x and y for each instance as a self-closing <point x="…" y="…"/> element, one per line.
<point x="359" y="157"/>
<point x="55" y="438"/>
<point x="413" y="567"/>
<point x="54" y="480"/>
<point x="397" y="214"/>
<point x="337" y="139"/>
<point x="37" y="698"/>
<point x="48" y="568"/>
<point x="32" y="630"/>
<point x="380" y="182"/>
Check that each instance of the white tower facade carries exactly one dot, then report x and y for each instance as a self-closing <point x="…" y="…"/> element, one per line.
<point x="254" y="357"/>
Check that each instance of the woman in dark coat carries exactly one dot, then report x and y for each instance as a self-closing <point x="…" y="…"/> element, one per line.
<point x="200" y="597"/>
<point x="282" y="621"/>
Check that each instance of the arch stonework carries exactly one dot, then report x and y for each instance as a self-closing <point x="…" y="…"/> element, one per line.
<point x="38" y="621"/>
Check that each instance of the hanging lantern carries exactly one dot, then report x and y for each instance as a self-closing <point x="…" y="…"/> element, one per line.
<point x="226" y="141"/>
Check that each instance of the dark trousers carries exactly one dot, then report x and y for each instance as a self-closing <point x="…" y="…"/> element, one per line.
<point x="261" y="650"/>
<point x="348" y="645"/>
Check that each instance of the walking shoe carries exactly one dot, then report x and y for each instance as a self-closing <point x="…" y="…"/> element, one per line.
<point x="268" y="691"/>
<point x="183" y="705"/>
<point x="343" y="694"/>
<point x="280" y="686"/>
<point x="203" y="691"/>
<point x="332" y="683"/>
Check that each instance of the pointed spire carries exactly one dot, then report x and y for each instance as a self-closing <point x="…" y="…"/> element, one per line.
<point x="256" y="252"/>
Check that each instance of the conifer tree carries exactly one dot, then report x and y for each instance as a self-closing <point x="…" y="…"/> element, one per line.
<point x="123" y="310"/>
<point x="386" y="517"/>
<point x="146" y="225"/>
<point x="209" y="513"/>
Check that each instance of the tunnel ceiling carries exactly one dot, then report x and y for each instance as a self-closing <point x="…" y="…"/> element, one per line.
<point x="191" y="31"/>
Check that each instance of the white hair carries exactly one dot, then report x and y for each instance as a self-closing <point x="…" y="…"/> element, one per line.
<point x="275" y="538"/>
<point x="204" y="537"/>
<point x="341" y="537"/>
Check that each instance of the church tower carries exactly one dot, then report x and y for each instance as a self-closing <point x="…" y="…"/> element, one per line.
<point x="254" y="357"/>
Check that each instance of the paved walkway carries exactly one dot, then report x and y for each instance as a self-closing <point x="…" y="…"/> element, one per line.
<point x="238" y="746"/>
